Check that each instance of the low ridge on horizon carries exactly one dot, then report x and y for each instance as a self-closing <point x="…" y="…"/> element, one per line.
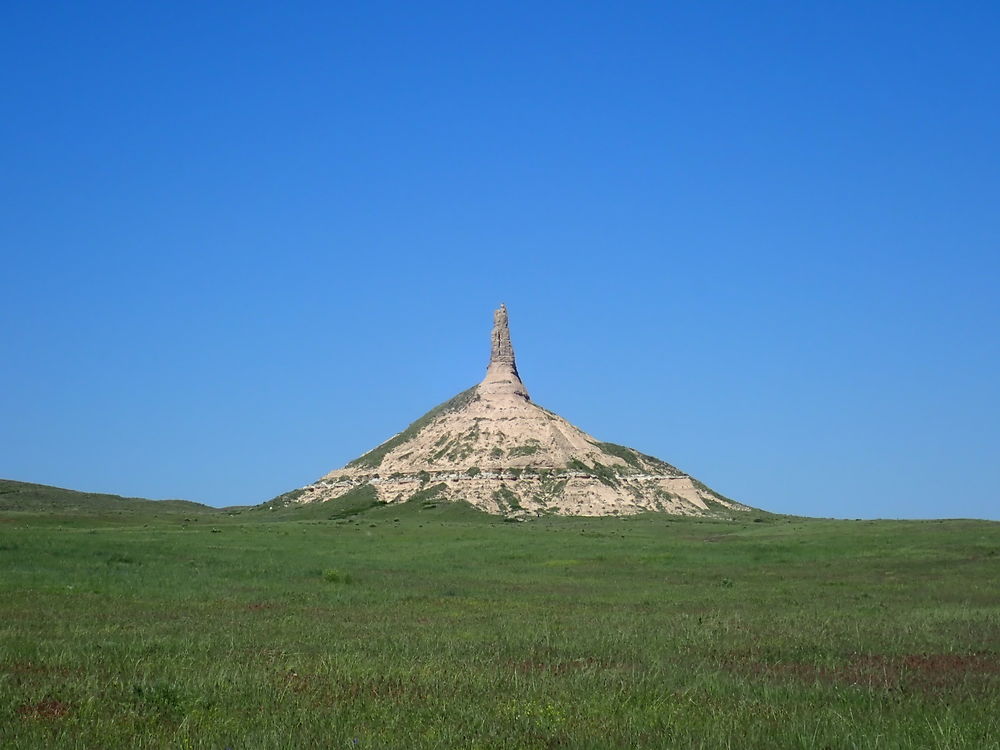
<point x="494" y="448"/>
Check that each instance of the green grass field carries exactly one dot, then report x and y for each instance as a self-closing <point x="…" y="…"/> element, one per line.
<point x="143" y="625"/>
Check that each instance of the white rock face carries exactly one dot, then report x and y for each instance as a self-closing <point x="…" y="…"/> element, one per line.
<point x="494" y="448"/>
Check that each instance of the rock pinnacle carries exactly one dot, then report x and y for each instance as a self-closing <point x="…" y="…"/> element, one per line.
<point x="494" y="448"/>
<point x="501" y="374"/>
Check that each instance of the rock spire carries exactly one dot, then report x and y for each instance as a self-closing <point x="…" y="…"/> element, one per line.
<point x="494" y="448"/>
<point x="502" y="349"/>
<point x="501" y="374"/>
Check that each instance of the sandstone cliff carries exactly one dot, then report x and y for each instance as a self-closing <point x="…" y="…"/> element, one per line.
<point x="493" y="447"/>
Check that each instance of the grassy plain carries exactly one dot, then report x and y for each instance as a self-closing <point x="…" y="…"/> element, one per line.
<point x="432" y="625"/>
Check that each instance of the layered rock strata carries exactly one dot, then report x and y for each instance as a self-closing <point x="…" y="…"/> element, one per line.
<point x="494" y="448"/>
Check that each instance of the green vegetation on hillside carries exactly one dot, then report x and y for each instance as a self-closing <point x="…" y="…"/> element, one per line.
<point x="35" y="498"/>
<point x="430" y="624"/>
<point x="628" y="455"/>
<point x="357" y="500"/>
<point x="373" y="458"/>
<point x="528" y="449"/>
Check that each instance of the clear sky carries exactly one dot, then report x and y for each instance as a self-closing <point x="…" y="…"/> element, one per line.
<point x="243" y="243"/>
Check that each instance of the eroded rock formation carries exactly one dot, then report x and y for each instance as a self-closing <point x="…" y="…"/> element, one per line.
<point x="501" y="373"/>
<point x="493" y="447"/>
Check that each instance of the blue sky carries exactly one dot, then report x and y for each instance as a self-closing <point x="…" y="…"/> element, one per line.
<point x="244" y="243"/>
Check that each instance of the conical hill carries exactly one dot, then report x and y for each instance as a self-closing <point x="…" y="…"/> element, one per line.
<point x="494" y="448"/>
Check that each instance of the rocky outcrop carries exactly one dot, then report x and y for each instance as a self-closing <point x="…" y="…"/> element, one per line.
<point x="495" y="448"/>
<point x="502" y="352"/>
<point x="501" y="373"/>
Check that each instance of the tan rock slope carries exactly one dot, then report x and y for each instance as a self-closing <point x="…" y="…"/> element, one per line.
<point x="494" y="448"/>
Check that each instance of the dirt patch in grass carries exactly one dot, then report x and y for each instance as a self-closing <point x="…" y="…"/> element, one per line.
<point x="298" y="683"/>
<point x="328" y="691"/>
<point x="31" y="668"/>
<point x="394" y="688"/>
<point x="533" y="666"/>
<point x="49" y="708"/>
<point x="919" y="673"/>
